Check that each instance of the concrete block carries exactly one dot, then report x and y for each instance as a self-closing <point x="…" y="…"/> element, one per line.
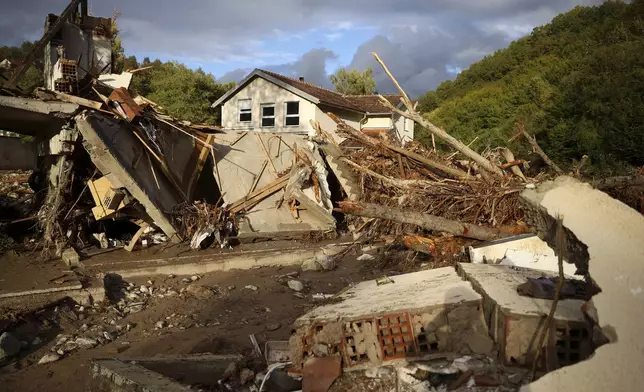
<point x="112" y="375"/>
<point x="419" y="314"/>
<point x="514" y="321"/>
<point x="605" y="235"/>
<point x="71" y="258"/>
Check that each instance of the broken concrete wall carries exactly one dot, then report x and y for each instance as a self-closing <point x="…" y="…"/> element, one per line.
<point x="247" y="162"/>
<point x="417" y="314"/>
<point x="34" y="117"/>
<point x="112" y="375"/>
<point x="17" y="154"/>
<point x="611" y="233"/>
<point x="120" y="156"/>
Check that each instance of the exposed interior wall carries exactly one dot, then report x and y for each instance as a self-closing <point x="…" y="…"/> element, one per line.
<point x="404" y="128"/>
<point x="381" y="121"/>
<point x="261" y="91"/>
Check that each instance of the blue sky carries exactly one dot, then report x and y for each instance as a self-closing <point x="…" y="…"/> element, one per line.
<point x="422" y="41"/>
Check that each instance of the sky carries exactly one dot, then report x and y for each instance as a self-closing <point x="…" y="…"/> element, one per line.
<point x="423" y="42"/>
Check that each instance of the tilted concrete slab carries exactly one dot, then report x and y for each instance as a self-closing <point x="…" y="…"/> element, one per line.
<point x="240" y="160"/>
<point x="112" y="375"/>
<point x="114" y="150"/>
<point x="34" y="117"/>
<point x="417" y="314"/>
<point x="612" y="234"/>
<point x="514" y="321"/>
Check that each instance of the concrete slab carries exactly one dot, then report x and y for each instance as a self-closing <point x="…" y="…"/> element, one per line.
<point x="611" y="234"/>
<point x="202" y="262"/>
<point x="240" y="160"/>
<point x="514" y="321"/>
<point x="526" y="250"/>
<point x="112" y="375"/>
<point x="419" y="314"/>
<point x="34" y="117"/>
<point x="114" y="149"/>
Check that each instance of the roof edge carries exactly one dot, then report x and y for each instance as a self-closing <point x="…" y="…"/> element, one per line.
<point x="259" y="73"/>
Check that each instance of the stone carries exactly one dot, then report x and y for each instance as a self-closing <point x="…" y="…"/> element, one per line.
<point x="295" y="285"/>
<point x="325" y="261"/>
<point x="195" y="278"/>
<point x="246" y="375"/>
<point x="86" y="342"/>
<point x="365" y="257"/>
<point x="480" y="343"/>
<point x="71" y="258"/>
<point x="160" y="324"/>
<point x="200" y="291"/>
<point x="311" y="265"/>
<point x="251" y="287"/>
<point x="9" y="345"/>
<point x="143" y="289"/>
<point x="48" y="358"/>
<point x="273" y="327"/>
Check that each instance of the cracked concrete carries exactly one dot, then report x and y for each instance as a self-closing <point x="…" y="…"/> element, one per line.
<point x="613" y="234"/>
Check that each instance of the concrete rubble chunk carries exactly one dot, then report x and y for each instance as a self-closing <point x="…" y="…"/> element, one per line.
<point x="71" y="258"/>
<point x="9" y="345"/>
<point x="435" y="308"/>
<point x="610" y="234"/>
<point x="48" y="358"/>
<point x="295" y="285"/>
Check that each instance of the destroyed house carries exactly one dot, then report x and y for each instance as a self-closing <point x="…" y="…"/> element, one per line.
<point x="268" y="102"/>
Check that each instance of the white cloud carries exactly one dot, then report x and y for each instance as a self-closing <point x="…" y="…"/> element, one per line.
<point x="333" y="36"/>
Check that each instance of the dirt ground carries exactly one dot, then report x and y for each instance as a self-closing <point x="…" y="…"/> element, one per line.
<point x="219" y="325"/>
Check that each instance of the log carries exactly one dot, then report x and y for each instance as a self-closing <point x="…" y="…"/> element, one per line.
<point x="403" y="184"/>
<point x="452" y="172"/>
<point x="620" y="181"/>
<point x="411" y="114"/>
<point x="509" y="157"/>
<point x="535" y="146"/>
<point x="426" y="221"/>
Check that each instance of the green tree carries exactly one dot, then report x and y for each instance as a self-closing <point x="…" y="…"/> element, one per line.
<point x="33" y="77"/>
<point x="353" y="82"/>
<point x="118" y="53"/>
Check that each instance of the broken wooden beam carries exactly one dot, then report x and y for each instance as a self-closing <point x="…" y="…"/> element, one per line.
<point x="257" y="196"/>
<point x="426" y="221"/>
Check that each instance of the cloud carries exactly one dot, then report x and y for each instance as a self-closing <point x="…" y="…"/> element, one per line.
<point x="418" y="39"/>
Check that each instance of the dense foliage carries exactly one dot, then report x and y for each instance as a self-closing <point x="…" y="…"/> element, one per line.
<point x="577" y="83"/>
<point x="185" y="93"/>
<point x="353" y="82"/>
<point x="33" y="77"/>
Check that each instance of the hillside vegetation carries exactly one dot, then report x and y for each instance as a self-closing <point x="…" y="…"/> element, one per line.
<point x="577" y="83"/>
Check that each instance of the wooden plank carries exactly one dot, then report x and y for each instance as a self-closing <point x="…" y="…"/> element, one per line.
<point x="40" y="46"/>
<point x="69" y="98"/>
<point x="129" y="247"/>
<point x="261" y="171"/>
<point x="258" y="195"/>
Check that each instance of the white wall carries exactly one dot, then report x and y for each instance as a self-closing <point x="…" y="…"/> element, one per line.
<point x="405" y="129"/>
<point x="350" y="118"/>
<point x="378" y="122"/>
<point x="262" y="91"/>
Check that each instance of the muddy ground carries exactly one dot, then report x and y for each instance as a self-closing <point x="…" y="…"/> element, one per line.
<point x="220" y="324"/>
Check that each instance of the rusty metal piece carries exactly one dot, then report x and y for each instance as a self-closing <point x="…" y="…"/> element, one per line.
<point x="131" y="108"/>
<point x="319" y="373"/>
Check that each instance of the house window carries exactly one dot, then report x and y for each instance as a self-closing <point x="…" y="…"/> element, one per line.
<point x="268" y="115"/>
<point x="292" y="113"/>
<point x="245" y="106"/>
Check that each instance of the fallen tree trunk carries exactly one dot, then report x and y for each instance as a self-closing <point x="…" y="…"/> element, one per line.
<point x="620" y="181"/>
<point x="426" y="221"/>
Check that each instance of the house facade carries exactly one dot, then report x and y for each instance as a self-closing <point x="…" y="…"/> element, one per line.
<point x="269" y="102"/>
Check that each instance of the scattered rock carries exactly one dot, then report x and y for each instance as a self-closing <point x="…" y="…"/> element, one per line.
<point x="251" y="287"/>
<point x="186" y="280"/>
<point x="150" y="282"/>
<point x="71" y="258"/>
<point x="230" y="288"/>
<point x="9" y="345"/>
<point x="86" y="342"/>
<point x="171" y="276"/>
<point x="143" y="289"/>
<point x="325" y="261"/>
<point x="273" y="327"/>
<point x="480" y="343"/>
<point x="49" y="357"/>
<point x="200" y="291"/>
<point x="295" y="285"/>
<point x="311" y="265"/>
<point x="366" y="257"/>
<point x="246" y="375"/>
<point x="195" y="278"/>
<point x="160" y="324"/>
